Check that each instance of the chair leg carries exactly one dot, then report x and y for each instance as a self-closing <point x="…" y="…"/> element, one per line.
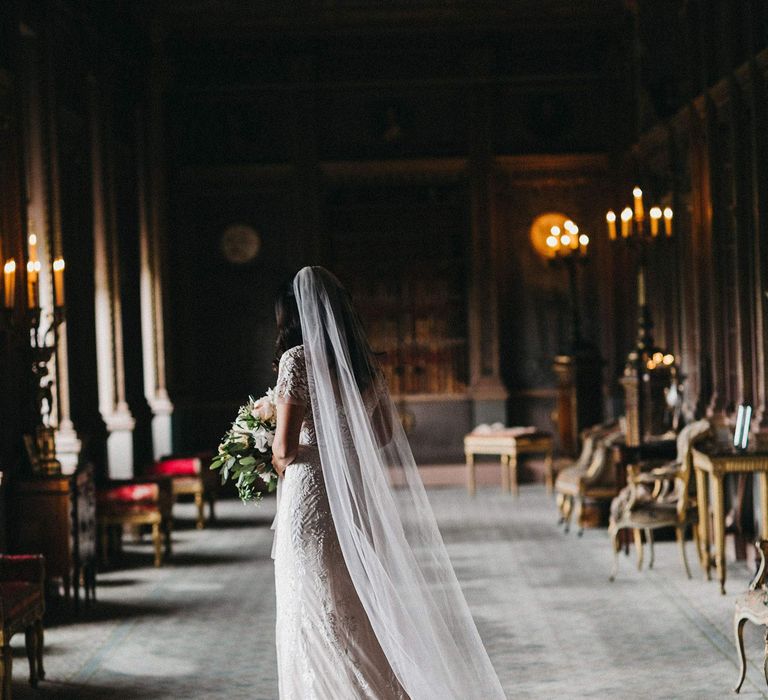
<point x="7" y="672"/>
<point x="567" y="512"/>
<point x="738" y="634"/>
<point x="638" y="535"/>
<point x="200" y="510"/>
<point x="580" y="516"/>
<point x="616" y="545"/>
<point x="680" y="533"/>
<point x="211" y="510"/>
<point x="649" y="539"/>
<point x="40" y="642"/>
<point x="167" y="525"/>
<point x="560" y="500"/>
<point x="158" y="541"/>
<point x="30" y="642"/>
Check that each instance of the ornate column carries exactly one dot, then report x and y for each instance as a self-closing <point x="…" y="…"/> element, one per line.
<point x="485" y="386"/>
<point x="44" y="213"/>
<point x="109" y="338"/>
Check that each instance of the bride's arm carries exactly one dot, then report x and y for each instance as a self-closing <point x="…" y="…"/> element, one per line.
<point x="286" y="444"/>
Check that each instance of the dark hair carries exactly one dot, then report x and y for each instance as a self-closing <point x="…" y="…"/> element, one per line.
<point x="288" y="323"/>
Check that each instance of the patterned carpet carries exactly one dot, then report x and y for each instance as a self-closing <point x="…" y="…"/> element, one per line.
<point x="202" y="627"/>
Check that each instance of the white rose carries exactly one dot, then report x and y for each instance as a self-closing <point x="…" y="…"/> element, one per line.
<point x="261" y="439"/>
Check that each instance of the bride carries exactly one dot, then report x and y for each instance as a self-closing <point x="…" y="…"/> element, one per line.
<point x="368" y="605"/>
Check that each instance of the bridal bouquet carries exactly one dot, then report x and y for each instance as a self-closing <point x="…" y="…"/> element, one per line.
<point x="245" y="452"/>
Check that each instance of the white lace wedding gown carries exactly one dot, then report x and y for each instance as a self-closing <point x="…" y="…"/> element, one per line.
<point x="326" y="649"/>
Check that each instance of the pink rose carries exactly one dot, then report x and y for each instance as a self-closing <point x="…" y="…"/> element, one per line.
<point x="263" y="409"/>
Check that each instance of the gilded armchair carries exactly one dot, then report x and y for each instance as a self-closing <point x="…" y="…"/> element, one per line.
<point x="591" y="477"/>
<point x="656" y="498"/>
<point x="22" y="605"/>
<point x="753" y="607"/>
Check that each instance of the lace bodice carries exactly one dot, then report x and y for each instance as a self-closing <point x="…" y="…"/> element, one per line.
<point x="292" y="387"/>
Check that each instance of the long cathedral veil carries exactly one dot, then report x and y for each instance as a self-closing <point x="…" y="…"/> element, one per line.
<point x="388" y="535"/>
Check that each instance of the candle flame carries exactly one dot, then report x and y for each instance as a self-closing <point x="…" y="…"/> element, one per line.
<point x="637" y="192"/>
<point x="584" y="239"/>
<point x="610" y="216"/>
<point x="58" y="264"/>
<point x="626" y="214"/>
<point x="10" y="266"/>
<point x="655" y="213"/>
<point x="667" y="213"/>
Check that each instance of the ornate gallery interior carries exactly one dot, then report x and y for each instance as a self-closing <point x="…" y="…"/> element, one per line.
<point x="552" y="217"/>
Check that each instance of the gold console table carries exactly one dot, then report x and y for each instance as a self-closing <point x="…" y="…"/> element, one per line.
<point x="508" y="444"/>
<point x="712" y="464"/>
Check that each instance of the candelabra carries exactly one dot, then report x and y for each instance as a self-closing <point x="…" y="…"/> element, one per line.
<point x="650" y="371"/>
<point x="579" y="370"/>
<point x="569" y="250"/>
<point x="41" y="327"/>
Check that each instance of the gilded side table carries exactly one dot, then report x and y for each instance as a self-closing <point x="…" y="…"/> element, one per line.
<point x="712" y="465"/>
<point x="508" y="445"/>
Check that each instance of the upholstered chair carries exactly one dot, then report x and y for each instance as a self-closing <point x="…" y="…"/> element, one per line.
<point x="22" y="604"/>
<point x="186" y="480"/>
<point x="658" y="496"/>
<point x="135" y="504"/>
<point x="752" y="606"/>
<point x="591" y="477"/>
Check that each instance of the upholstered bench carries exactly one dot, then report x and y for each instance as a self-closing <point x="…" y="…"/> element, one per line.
<point x="22" y="604"/>
<point x="752" y="606"/>
<point x="136" y="504"/>
<point x="186" y="480"/>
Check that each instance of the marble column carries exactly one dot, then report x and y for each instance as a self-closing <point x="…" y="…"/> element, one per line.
<point x="44" y="212"/>
<point x="108" y="309"/>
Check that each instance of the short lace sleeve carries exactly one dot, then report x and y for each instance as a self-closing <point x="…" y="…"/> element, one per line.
<point x="291" y="384"/>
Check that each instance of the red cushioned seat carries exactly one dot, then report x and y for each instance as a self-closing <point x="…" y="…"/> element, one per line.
<point x="130" y="493"/>
<point x="175" y="467"/>
<point x="19" y="597"/>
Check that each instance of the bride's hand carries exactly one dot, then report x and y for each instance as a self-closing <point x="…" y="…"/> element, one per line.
<point x="276" y="464"/>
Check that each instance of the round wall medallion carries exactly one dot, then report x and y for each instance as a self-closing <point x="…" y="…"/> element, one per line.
<point x="240" y="243"/>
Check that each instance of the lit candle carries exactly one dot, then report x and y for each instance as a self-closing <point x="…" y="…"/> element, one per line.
<point x="655" y="216"/>
<point x="583" y="243"/>
<point x="32" y="246"/>
<point x="9" y="279"/>
<point x="626" y="217"/>
<point x="668" y="221"/>
<point x="637" y="193"/>
<point x="610" y="217"/>
<point x="32" y="287"/>
<point x="58" y="282"/>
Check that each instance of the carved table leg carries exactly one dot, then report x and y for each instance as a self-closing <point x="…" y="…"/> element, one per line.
<point x="505" y="473"/>
<point x="763" y="479"/>
<point x="512" y="462"/>
<point x="471" y="487"/>
<point x="738" y="634"/>
<point x="719" y="517"/>
<point x="702" y="497"/>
